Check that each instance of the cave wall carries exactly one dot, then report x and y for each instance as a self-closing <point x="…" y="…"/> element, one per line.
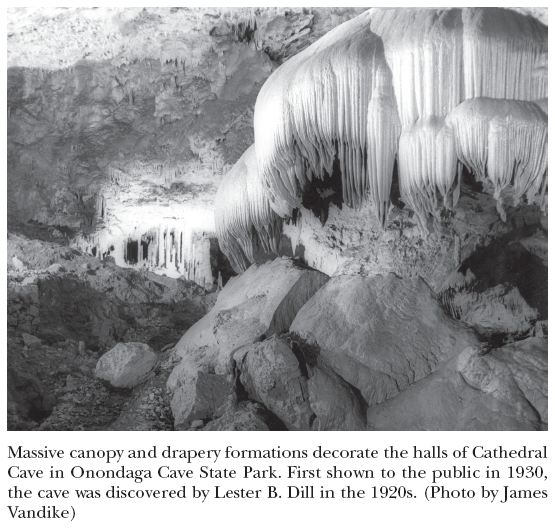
<point x="121" y="122"/>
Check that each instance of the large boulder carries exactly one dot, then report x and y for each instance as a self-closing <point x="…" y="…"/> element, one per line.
<point x="505" y="389"/>
<point x="272" y="374"/>
<point x="380" y="333"/>
<point x="126" y="365"/>
<point x="259" y="303"/>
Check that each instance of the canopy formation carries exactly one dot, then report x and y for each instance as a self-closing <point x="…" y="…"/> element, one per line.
<point x="428" y="88"/>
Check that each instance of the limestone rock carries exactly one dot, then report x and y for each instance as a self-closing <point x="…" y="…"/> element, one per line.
<point x="127" y="365"/>
<point x="31" y="341"/>
<point x="197" y="395"/>
<point x="334" y="402"/>
<point x="380" y="333"/>
<point x="503" y="390"/>
<point x="259" y="303"/>
<point x="271" y="374"/>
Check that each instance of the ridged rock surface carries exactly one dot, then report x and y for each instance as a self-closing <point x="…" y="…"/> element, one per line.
<point x="381" y="333"/>
<point x="505" y="389"/>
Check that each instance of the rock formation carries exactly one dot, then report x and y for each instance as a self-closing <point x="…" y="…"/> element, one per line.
<point x="301" y="218"/>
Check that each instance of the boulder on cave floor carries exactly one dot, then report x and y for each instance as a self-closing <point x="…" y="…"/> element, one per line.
<point x="261" y="302"/>
<point x="299" y="387"/>
<point x="505" y="389"/>
<point x="380" y="333"/>
<point x="127" y="365"/>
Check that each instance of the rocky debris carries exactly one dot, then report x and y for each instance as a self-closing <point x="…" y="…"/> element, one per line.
<point x="505" y="389"/>
<point x="335" y="403"/>
<point x="23" y="307"/>
<point x="31" y="341"/>
<point x="380" y="333"/>
<point x="261" y="302"/>
<point x="18" y="263"/>
<point x="100" y="304"/>
<point x="53" y="387"/>
<point x="28" y="400"/>
<point x="271" y="374"/>
<point x="126" y="365"/>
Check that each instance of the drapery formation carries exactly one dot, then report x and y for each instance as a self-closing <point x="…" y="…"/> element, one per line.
<point x="245" y="223"/>
<point x="429" y="88"/>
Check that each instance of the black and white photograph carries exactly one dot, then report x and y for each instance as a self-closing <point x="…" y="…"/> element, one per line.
<point x="302" y="219"/>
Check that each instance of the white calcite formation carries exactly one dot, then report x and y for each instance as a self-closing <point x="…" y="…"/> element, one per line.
<point x="244" y="219"/>
<point x="506" y="141"/>
<point x="430" y="88"/>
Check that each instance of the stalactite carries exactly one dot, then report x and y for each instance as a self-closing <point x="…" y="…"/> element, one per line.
<point x="243" y="216"/>
<point x="427" y="167"/>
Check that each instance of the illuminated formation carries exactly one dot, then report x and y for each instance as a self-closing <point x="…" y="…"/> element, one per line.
<point x="245" y="223"/>
<point x="430" y="88"/>
<point x="506" y="141"/>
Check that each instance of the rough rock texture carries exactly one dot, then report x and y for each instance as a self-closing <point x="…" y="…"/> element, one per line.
<point x="28" y="400"/>
<point x="353" y="242"/>
<point x="271" y="374"/>
<point x="334" y="402"/>
<point x="380" y="333"/>
<point x="502" y="288"/>
<point x="198" y="395"/>
<point x="31" y="341"/>
<point x="261" y="302"/>
<point x="503" y="390"/>
<point x="126" y="365"/>
<point x="245" y="416"/>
